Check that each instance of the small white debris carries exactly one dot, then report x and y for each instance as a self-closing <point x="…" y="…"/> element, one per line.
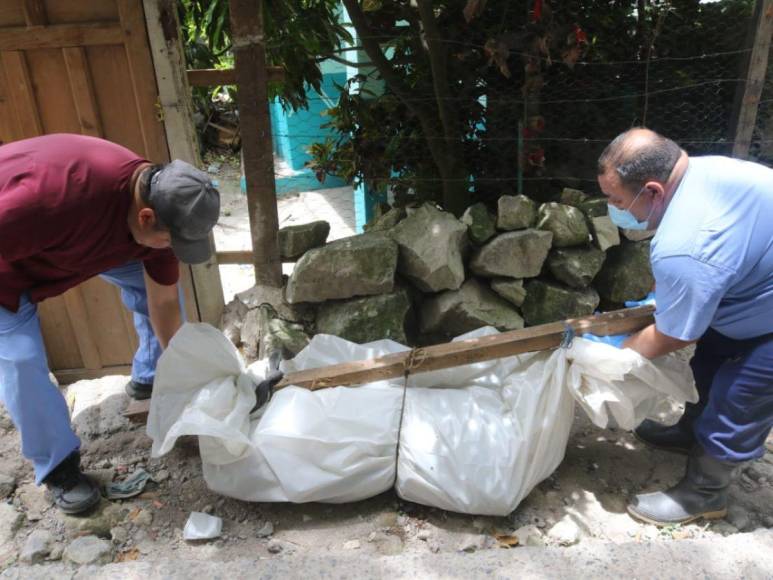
<point x="352" y="545"/>
<point x="201" y="526"/>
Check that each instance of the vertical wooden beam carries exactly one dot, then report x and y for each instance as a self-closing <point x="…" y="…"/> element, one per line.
<point x="255" y="125"/>
<point x="206" y="293"/>
<point x="82" y="89"/>
<point x="143" y="79"/>
<point x="20" y="86"/>
<point x="748" y="96"/>
<point x="35" y="13"/>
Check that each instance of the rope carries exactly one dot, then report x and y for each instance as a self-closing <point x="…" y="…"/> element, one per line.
<point x="568" y="337"/>
<point x="414" y="359"/>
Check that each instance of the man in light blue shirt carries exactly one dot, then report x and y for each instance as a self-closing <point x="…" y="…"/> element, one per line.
<point x="712" y="259"/>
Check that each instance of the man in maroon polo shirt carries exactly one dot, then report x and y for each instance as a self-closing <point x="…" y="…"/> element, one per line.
<point x="72" y="207"/>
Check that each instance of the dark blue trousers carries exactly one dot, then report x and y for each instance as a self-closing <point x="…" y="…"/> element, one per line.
<point x="734" y="415"/>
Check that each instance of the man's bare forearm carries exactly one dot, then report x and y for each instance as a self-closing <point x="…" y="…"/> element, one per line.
<point x="651" y="343"/>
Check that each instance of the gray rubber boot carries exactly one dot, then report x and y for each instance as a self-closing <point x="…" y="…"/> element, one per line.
<point x="702" y="493"/>
<point x="677" y="438"/>
<point x="73" y="492"/>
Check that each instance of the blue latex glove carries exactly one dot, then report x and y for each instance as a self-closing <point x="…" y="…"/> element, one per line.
<point x="646" y="301"/>
<point x="615" y="340"/>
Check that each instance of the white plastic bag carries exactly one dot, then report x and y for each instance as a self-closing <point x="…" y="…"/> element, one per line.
<point x="472" y="439"/>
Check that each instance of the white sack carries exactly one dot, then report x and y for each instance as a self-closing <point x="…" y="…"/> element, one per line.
<point x="474" y="439"/>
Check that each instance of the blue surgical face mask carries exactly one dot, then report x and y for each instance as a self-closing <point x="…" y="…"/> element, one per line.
<point x="623" y="218"/>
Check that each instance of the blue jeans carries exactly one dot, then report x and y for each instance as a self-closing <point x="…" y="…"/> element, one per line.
<point x="34" y="403"/>
<point x="734" y="378"/>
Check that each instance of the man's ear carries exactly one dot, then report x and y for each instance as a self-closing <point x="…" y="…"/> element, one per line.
<point x="656" y="188"/>
<point x="147" y="217"/>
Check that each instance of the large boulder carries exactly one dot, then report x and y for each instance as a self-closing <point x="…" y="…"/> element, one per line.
<point x="481" y="225"/>
<point x="605" y="232"/>
<point x="567" y="224"/>
<point x="357" y="266"/>
<point x="575" y="267"/>
<point x="515" y="212"/>
<point x="473" y="305"/>
<point x="431" y="243"/>
<point x="513" y="254"/>
<point x="386" y="221"/>
<point x="509" y="289"/>
<point x="548" y="302"/>
<point x="367" y="319"/>
<point x="294" y="241"/>
<point x="626" y="274"/>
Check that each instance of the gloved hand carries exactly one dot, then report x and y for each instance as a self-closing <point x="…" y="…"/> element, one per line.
<point x="263" y="388"/>
<point x="615" y="340"/>
<point x="647" y="300"/>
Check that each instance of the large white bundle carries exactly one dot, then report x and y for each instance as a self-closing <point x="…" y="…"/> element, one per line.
<point x="472" y="439"/>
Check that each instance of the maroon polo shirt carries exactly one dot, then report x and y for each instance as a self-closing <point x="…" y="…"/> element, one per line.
<point x="64" y="204"/>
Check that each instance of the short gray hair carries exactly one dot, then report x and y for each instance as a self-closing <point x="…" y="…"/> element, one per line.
<point x="639" y="155"/>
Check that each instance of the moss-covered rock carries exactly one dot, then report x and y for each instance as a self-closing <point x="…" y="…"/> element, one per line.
<point x="473" y="305"/>
<point x="481" y="225"/>
<point x="627" y="274"/>
<point x="573" y="197"/>
<point x="605" y="232"/>
<point x="367" y="319"/>
<point x="509" y="289"/>
<point x="358" y="266"/>
<point x="513" y="254"/>
<point x="431" y="242"/>
<point x="294" y="241"/>
<point x="594" y="207"/>
<point x="548" y="302"/>
<point x="386" y="221"/>
<point x="515" y="212"/>
<point x="566" y="223"/>
<point x="575" y="267"/>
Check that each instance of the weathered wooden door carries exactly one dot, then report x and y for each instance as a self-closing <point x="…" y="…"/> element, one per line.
<point x="82" y="66"/>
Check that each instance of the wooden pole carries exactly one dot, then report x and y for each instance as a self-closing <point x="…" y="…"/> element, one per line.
<point x="255" y="125"/>
<point x="452" y="354"/>
<point x="748" y="96"/>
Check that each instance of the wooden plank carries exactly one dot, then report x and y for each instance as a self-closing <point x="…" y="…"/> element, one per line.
<point x="748" y="97"/>
<point x="203" y="288"/>
<point x="79" y="319"/>
<point x="106" y="311"/>
<point x="48" y="75"/>
<point x="23" y="96"/>
<point x="442" y="356"/>
<point x="452" y="354"/>
<point x="9" y="128"/>
<point x="143" y="80"/>
<point x="235" y="257"/>
<point x="60" y="36"/>
<point x="210" y="77"/>
<point x="58" y="336"/>
<point x="67" y="376"/>
<point x="35" y="12"/>
<point x="255" y="124"/>
<point x="82" y="88"/>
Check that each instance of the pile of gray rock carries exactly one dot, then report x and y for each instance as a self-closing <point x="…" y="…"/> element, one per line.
<point x="420" y="275"/>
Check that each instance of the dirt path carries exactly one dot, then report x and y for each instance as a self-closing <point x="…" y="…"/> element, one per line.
<point x="582" y="503"/>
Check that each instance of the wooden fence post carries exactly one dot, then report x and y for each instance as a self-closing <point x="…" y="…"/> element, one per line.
<point x="748" y="96"/>
<point x="255" y="125"/>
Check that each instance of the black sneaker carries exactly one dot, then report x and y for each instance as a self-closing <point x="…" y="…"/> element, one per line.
<point x="139" y="391"/>
<point x="72" y="490"/>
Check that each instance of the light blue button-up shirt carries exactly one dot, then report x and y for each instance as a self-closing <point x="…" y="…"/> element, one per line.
<point x="712" y="256"/>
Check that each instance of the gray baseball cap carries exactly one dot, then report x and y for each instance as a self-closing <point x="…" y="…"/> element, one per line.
<point x="188" y="204"/>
